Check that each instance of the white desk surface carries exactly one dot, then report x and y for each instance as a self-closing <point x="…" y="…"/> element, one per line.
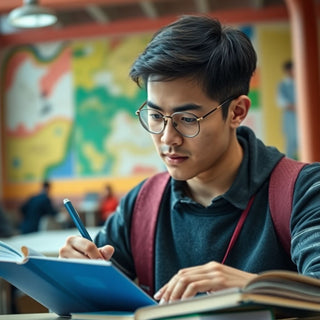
<point x="46" y="242"/>
<point x="31" y="316"/>
<point x="52" y="316"/>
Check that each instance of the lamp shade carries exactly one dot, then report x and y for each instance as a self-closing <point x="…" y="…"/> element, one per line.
<point x="30" y="15"/>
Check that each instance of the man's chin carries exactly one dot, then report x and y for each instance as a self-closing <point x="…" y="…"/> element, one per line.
<point x="178" y="175"/>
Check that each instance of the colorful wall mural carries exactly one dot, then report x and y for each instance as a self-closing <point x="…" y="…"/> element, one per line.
<point x="69" y="112"/>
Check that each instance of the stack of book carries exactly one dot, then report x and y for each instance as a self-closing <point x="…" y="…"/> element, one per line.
<point x="90" y="289"/>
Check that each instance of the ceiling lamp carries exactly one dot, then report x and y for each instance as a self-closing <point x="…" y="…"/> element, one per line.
<point x="31" y="15"/>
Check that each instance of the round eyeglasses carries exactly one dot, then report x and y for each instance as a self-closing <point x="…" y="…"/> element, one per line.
<point x="185" y="123"/>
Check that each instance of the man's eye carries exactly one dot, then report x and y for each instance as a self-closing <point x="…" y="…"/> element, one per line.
<point x="155" y="116"/>
<point x="188" y="119"/>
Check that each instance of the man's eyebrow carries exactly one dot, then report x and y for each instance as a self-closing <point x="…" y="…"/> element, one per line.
<point x="184" y="107"/>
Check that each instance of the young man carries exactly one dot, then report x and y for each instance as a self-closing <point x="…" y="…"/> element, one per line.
<point x="197" y="76"/>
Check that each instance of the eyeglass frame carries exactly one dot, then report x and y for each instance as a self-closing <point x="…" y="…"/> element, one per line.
<point x="165" y="118"/>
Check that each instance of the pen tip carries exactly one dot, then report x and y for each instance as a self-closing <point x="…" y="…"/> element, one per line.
<point x="66" y="200"/>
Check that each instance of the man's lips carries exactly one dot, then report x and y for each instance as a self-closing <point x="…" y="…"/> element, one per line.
<point x="174" y="158"/>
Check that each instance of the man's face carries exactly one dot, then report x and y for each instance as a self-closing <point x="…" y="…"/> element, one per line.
<point x="203" y="155"/>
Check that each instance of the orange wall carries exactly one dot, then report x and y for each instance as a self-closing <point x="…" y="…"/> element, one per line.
<point x="72" y="188"/>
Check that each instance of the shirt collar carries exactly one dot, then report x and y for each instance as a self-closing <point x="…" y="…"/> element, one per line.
<point x="237" y="195"/>
<point x="256" y="166"/>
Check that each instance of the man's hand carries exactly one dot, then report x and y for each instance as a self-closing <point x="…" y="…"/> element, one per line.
<point x="209" y="277"/>
<point x="77" y="247"/>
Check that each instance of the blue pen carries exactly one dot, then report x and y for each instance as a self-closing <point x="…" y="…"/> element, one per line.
<point x="76" y="219"/>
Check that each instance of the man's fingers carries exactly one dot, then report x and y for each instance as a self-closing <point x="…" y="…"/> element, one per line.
<point x="78" y="247"/>
<point x="106" y="252"/>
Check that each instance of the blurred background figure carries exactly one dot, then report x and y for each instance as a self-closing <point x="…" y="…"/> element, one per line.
<point x="89" y="209"/>
<point x="286" y="99"/>
<point x="36" y="208"/>
<point x="108" y="204"/>
<point x="6" y="225"/>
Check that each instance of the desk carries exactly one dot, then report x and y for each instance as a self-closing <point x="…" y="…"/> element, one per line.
<point x="31" y="316"/>
<point x="52" y="316"/>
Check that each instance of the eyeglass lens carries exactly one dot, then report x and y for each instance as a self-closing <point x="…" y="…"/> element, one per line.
<point x="184" y="122"/>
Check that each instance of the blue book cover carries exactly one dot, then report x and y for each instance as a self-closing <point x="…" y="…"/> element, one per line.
<point x="68" y="286"/>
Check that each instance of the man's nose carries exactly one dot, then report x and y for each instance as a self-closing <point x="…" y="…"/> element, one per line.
<point x="170" y="136"/>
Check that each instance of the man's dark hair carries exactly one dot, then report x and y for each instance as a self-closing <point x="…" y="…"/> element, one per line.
<point x="221" y="59"/>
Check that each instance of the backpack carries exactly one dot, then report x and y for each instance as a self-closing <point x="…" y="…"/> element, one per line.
<point x="143" y="227"/>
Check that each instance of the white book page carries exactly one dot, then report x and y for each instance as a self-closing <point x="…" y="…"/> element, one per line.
<point x="8" y="253"/>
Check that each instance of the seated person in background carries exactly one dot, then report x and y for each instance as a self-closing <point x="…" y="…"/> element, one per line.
<point x="108" y="204"/>
<point x="6" y="227"/>
<point x="35" y="208"/>
<point x="197" y="75"/>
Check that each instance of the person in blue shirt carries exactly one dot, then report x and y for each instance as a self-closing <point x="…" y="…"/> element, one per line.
<point x="197" y="73"/>
<point x="35" y="208"/>
<point x="286" y="98"/>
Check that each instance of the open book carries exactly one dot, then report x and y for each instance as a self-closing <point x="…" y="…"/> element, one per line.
<point x="74" y="286"/>
<point x="65" y="286"/>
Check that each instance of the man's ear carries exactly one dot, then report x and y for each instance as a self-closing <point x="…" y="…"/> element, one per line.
<point x="239" y="109"/>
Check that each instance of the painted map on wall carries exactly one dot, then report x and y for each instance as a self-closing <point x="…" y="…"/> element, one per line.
<point x="69" y="111"/>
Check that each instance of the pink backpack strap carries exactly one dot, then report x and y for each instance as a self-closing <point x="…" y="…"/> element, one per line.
<point x="281" y="188"/>
<point x="143" y="228"/>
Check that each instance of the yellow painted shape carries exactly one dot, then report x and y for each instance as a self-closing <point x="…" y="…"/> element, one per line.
<point x="97" y="159"/>
<point x="31" y="155"/>
<point x="110" y="58"/>
<point x="274" y="47"/>
<point x="90" y="58"/>
<point x="121" y="59"/>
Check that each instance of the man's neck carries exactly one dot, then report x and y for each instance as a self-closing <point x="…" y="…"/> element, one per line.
<point x="216" y="181"/>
